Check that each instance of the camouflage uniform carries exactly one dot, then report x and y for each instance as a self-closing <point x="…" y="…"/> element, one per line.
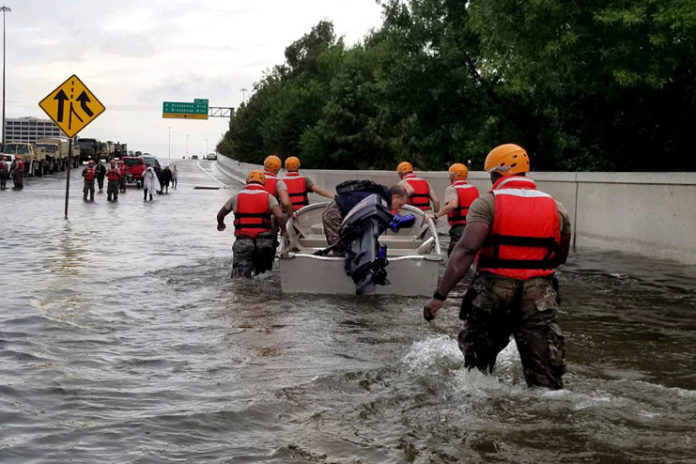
<point x="496" y="307"/>
<point x="331" y="220"/>
<point x="252" y="255"/>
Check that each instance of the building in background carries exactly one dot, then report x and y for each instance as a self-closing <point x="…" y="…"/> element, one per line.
<point x="28" y="129"/>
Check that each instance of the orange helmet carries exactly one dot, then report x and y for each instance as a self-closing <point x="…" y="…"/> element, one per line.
<point x="272" y="164"/>
<point x="507" y="160"/>
<point x="256" y="176"/>
<point x="458" y="171"/>
<point x="404" y="167"/>
<point x="292" y="163"/>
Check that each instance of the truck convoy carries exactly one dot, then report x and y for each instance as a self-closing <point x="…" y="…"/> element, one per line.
<point x="50" y="155"/>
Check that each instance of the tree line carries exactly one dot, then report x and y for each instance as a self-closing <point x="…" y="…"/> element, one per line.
<point x="592" y="85"/>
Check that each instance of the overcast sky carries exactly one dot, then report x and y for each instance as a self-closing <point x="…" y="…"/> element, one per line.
<point x="135" y="54"/>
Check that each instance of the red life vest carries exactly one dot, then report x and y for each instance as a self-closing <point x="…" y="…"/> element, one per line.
<point x="90" y="173"/>
<point x="252" y="216"/>
<point x="525" y="234"/>
<point x="297" y="190"/>
<point x="122" y="169"/>
<point x="421" y="192"/>
<point x="466" y="194"/>
<point x="112" y="174"/>
<point x="271" y="182"/>
<point x="20" y="165"/>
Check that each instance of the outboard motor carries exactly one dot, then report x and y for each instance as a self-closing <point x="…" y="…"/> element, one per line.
<point x="365" y="258"/>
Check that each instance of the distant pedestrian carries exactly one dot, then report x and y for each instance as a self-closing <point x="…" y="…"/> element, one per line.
<point x="175" y="176"/>
<point x="4" y="172"/>
<point x="89" y="173"/>
<point x="101" y="172"/>
<point x="122" y="179"/>
<point x="150" y="183"/>
<point x="17" y="173"/>
<point x="165" y="178"/>
<point x="112" y="175"/>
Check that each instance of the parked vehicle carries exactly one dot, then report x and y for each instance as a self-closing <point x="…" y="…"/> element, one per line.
<point x="135" y="168"/>
<point x="55" y="151"/>
<point x="152" y="162"/>
<point x="211" y="156"/>
<point x="89" y="149"/>
<point x="33" y="162"/>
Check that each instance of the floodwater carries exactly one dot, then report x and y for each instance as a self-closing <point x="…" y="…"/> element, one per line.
<point x="122" y="339"/>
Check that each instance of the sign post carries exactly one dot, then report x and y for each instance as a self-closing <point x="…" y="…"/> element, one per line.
<point x="71" y="106"/>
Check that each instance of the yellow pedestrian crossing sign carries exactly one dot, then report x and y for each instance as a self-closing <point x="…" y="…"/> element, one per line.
<point x="72" y="106"/>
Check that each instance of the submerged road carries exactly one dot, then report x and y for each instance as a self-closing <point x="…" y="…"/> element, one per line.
<point x="122" y="339"/>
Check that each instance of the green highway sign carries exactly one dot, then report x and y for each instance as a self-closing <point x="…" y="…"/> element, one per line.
<point x="185" y="110"/>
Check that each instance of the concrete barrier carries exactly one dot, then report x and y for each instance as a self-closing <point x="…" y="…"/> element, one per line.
<point x="642" y="213"/>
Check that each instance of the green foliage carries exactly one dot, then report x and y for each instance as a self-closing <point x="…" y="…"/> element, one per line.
<point x="592" y="85"/>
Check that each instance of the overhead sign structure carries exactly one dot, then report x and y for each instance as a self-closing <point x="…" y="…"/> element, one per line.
<point x="184" y="110"/>
<point x="72" y="106"/>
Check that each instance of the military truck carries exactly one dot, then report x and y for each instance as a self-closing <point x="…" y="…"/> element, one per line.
<point x="55" y="150"/>
<point x="89" y="148"/>
<point x="33" y="162"/>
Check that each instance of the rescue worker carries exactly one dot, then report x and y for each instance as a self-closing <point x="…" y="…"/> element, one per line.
<point x="419" y="192"/>
<point x="522" y="235"/>
<point x="253" y="207"/>
<point x="458" y="197"/>
<point x="294" y="188"/>
<point x="349" y="194"/>
<point x="271" y="167"/>
<point x="123" y="173"/>
<point x="4" y="173"/>
<point x="112" y="175"/>
<point x="89" y="173"/>
<point x="101" y="172"/>
<point x="17" y="173"/>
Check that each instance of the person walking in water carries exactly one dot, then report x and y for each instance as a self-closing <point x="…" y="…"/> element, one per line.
<point x="122" y="176"/>
<point x="101" y="172"/>
<point x="89" y="173"/>
<point x="17" y="173"/>
<point x="293" y="188"/>
<point x="420" y="194"/>
<point x="175" y="176"/>
<point x="165" y="178"/>
<point x="253" y="250"/>
<point x="4" y="173"/>
<point x="150" y="183"/>
<point x="458" y="197"/>
<point x="522" y="234"/>
<point x="112" y="175"/>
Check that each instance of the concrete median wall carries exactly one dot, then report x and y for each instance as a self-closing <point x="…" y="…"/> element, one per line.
<point x="642" y="213"/>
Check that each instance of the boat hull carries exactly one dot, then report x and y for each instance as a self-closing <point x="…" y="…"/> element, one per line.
<point x="409" y="275"/>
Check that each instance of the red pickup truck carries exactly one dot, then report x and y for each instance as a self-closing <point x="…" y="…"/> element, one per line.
<point x="135" y="168"/>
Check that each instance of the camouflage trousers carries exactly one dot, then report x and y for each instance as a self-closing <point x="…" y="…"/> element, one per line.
<point x="252" y="255"/>
<point x="331" y="220"/>
<point x="88" y="188"/>
<point x="496" y="307"/>
<point x="455" y="234"/>
<point x="112" y="190"/>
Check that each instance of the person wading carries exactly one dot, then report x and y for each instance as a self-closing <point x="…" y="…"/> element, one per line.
<point x="4" y="172"/>
<point x="458" y="197"/>
<point x="293" y="188"/>
<point x="253" y="250"/>
<point x="112" y="176"/>
<point x="522" y="235"/>
<point x="101" y="172"/>
<point x="419" y="192"/>
<point x="89" y="173"/>
<point x="123" y="175"/>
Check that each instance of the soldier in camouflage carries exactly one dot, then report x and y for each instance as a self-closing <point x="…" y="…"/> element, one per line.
<point x="520" y="235"/>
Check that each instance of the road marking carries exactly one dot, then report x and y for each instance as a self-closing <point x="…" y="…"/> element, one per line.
<point x="210" y="175"/>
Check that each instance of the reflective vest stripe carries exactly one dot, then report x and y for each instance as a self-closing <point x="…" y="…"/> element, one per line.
<point x="525" y="234"/>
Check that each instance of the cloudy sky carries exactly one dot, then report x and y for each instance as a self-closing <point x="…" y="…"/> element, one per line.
<point x="135" y="54"/>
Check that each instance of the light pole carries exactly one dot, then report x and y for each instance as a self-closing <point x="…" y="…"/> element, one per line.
<point x="169" y="148"/>
<point x="244" y="95"/>
<point x="187" y="145"/>
<point x="4" y="10"/>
